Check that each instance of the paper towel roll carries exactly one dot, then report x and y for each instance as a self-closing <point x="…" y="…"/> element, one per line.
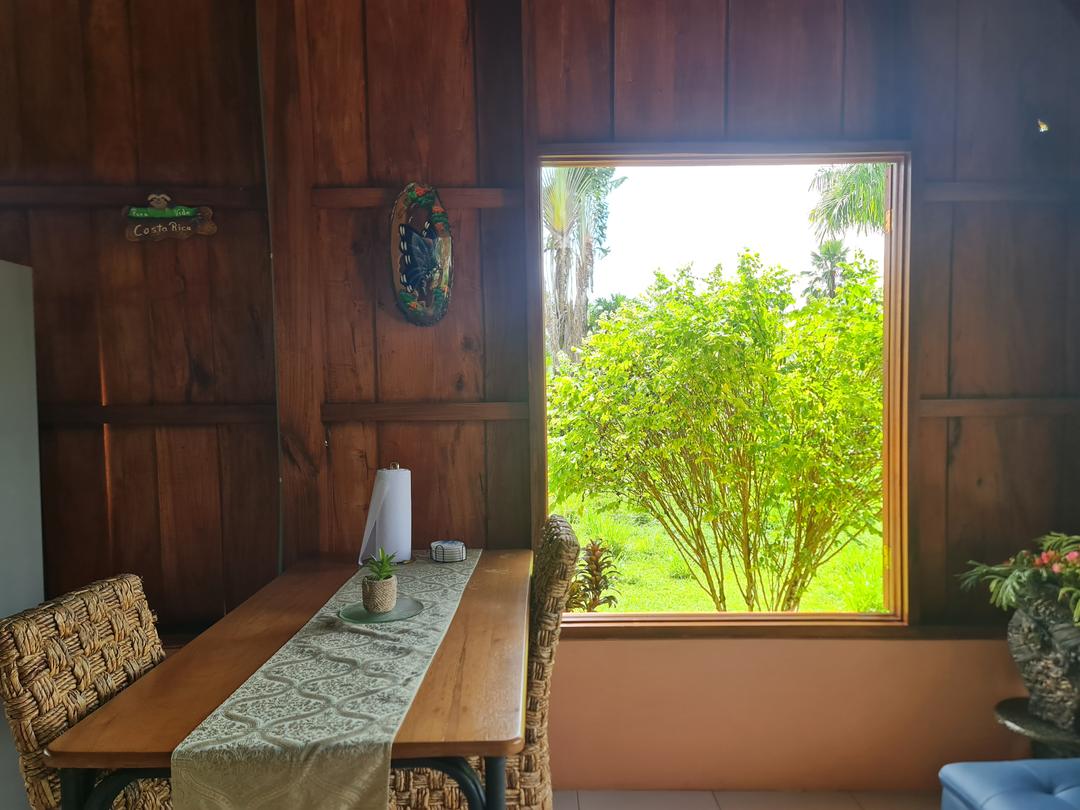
<point x="389" y="520"/>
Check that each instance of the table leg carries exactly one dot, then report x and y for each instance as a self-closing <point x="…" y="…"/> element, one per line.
<point x="75" y="787"/>
<point x="495" y="783"/>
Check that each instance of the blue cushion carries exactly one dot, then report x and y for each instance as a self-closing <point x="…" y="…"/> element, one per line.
<point x="1027" y="784"/>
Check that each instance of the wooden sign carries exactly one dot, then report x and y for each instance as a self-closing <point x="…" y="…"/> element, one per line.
<point x="420" y="255"/>
<point x="160" y="219"/>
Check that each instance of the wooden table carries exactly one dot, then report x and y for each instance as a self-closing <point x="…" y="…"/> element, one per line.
<point x="471" y="702"/>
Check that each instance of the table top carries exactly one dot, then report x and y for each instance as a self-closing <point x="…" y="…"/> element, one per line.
<point x="471" y="702"/>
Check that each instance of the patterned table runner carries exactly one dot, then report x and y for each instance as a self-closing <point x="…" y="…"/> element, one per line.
<point x="313" y="727"/>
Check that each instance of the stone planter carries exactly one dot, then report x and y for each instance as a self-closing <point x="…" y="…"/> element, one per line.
<point x="1045" y="644"/>
<point x="380" y="595"/>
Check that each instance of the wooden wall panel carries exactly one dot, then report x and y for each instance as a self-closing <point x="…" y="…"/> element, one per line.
<point x="931" y="78"/>
<point x="874" y="38"/>
<point x="670" y="62"/>
<point x="110" y="93"/>
<point x="1020" y="64"/>
<point x="572" y="73"/>
<point x="785" y="69"/>
<point x="1009" y="296"/>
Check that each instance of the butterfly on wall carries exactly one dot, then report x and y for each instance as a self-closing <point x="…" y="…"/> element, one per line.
<point x="420" y="247"/>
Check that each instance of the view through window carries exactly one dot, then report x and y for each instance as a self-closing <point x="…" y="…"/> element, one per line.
<point x="715" y="339"/>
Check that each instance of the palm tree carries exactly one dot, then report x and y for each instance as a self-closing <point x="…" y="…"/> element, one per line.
<point x="574" y="203"/>
<point x="852" y="197"/>
<point x="827" y="275"/>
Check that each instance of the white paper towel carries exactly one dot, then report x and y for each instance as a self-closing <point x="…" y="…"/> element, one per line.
<point x="389" y="520"/>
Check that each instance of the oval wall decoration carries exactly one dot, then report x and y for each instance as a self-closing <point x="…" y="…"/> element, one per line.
<point x="420" y="254"/>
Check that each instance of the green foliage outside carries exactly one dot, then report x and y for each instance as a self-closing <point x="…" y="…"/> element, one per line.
<point x="744" y="427"/>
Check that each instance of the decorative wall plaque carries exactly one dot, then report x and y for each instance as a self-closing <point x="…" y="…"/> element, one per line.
<point x="160" y="219"/>
<point x="420" y="255"/>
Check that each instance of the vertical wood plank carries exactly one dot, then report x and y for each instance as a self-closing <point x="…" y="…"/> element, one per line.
<point x="10" y="90"/>
<point x="1008" y="300"/>
<point x="298" y="334"/>
<point x="785" y="69"/>
<point x="928" y="562"/>
<point x="416" y="135"/>
<point x="189" y="498"/>
<point x="572" y="69"/>
<point x="54" y="143"/>
<point x="110" y="96"/>
<point x="14" y="236"/>
<point x="249" y="509"/>
<point x="873" y="44"/>
<point x="499" y="108"/>
<point x="131" y="468"/>
<point x="444" y="361"/>
<point x="65" y="306"/>
<point x="930" y="288"/>
<point x="507" y="494"/>
<point x="353" y="461"/>
<point x="669" y="69"/>
<point x="932" y="86"/>
<point x="352" y="258"/>
<point x="447" y="463"/>
<point x="74" y="511"/>
<point x="1018" y="64"/>
<point x="338" y="93"/>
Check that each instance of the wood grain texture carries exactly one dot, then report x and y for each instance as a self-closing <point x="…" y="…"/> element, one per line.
<point x="931" y="76"/>
<point x="115" y="196"/>
<point x="1008" y="300"/>
<point x="110" y="94"/>
<point x="670" y="61"/>
<point x="448" y="477"/>
<point x="11" y="130"/>
<point x="499" y="103"/>
<point x="929" y="520"/>
<point x="424" y="411"/>
<point x="470" y="702"/>
<point x="384" y="196"/>
<point x="571" y="74"/>
<point x="433" y="140"/>
<point x="873" y="42"/>
<point x="785" y="69"/>
<point x="338" y="92"/>
<point x="183" y="414"/>
<point x="930" y="288"/>
<point x="353" y="460"/>
<point x="1018" y="65"/>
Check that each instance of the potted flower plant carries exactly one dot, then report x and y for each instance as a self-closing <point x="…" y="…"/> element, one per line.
<point x="1043" y="587"/>
<point x="379" y="587"/>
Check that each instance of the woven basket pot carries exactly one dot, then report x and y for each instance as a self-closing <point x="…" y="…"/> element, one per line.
<point x="380" y="595"/>
<point x="1045" y="644"/>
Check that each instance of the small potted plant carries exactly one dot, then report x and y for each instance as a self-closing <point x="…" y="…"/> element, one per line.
<point x="1043" y="588"/>
<point x="379" y="587"/>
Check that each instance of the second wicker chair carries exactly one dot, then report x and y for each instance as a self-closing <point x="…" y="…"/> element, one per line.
<point x="528" y="774"/>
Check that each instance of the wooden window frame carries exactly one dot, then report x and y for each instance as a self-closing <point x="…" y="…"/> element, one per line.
<point x="896" y="407"/>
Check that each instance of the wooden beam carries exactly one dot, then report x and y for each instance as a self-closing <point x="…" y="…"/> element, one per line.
<point x="1049" y="192"/>
<point x="51" y="415"/>
<point x="999" y="406"/>
<point x="109" y="196"/>
<point x="424" y="411"/>
<point x="380" y="197"/>
<point x="597" y="153"/>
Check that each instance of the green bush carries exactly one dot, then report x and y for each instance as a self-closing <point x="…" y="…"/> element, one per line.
<point x="749" y="428"/>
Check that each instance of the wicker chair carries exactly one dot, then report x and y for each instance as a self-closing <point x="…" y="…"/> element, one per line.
<point x="62" y="660"/>
<point x="528" y="775"/>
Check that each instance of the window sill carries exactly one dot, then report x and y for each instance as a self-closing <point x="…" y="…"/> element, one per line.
<point x="625" y="626"/>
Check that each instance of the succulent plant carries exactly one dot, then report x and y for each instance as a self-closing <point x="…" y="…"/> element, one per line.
<point x="381" y="566"/>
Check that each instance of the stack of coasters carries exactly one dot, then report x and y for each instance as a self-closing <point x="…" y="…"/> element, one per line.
<point x="447" y="551"/>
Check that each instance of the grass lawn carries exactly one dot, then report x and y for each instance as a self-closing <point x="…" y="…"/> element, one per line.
<point x="654" y="579"/>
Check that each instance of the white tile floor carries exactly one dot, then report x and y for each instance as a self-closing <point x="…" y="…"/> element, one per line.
<point x="735" y="800"/>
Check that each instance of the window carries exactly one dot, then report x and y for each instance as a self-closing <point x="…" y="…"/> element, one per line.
<point x="723" y="354"/>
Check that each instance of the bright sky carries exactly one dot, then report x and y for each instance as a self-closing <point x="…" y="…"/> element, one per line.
<point x="664" y="217"/>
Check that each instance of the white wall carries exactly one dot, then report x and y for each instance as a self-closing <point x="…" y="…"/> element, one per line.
<point x="21" y="576"/>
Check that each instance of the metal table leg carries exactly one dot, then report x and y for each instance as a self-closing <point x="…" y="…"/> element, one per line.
<point x="78" y="791"/>
<point x="495" y="783"/>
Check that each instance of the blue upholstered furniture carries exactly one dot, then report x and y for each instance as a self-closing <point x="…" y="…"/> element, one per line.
<point x="1026" y="784"/>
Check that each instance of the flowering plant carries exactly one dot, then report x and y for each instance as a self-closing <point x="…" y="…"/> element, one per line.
<point x="1053" y="567"/>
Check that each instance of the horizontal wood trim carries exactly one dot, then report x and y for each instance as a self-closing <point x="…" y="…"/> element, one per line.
<point x="165" y="414"/>
<point x="103" y="196"/>
<point x="424" y="411"/>
<point x="1049" y="192"/>
<point x="629" y="626"/>
<point x="645" y="152"/>
<point x="999" y="406"/>
<point x="452" y="197"/>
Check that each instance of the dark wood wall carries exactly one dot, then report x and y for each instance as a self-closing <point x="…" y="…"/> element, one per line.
<point x="995" y="234"/>
<point x="360" y="99"/>
<point x="169" y="343"/>
<point x="157" y="362"/>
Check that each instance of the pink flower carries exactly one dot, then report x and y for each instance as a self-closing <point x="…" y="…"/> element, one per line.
<point x="1056" y="568"/>
<point x="1073" y="556"/>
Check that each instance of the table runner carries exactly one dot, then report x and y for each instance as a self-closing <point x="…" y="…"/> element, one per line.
<point x="313" y="727"/>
